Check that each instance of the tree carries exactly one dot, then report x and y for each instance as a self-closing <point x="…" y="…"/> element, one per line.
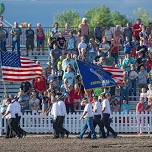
<point x="118" y="19"/>
<point x="143" y="14"/>
<point x="70" y="17"/>
<point x="99" y="14"/>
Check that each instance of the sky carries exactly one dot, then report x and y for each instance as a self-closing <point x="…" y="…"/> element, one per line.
<point x="44" y="11"/>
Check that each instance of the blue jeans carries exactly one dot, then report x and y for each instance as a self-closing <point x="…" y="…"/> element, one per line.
<point x="16" y="43"/>
<point x="88" y="125"/>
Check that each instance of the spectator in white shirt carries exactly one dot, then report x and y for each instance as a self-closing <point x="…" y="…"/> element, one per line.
<point x="88" y="115"/>
<point x="82" y="46"/>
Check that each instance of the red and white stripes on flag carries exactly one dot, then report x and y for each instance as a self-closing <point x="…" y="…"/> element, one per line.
<point x="27" y="72"/>
<point x="117" y="73"/>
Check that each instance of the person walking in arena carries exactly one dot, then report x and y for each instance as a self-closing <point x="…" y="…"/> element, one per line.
<point x="106" y="113"/>
<point x="55" y="114"/>
<point x="12" y="124"/>
<point x="88" y="115"/>
<point x="62" y="113"/>
<point x="18" y="116"/>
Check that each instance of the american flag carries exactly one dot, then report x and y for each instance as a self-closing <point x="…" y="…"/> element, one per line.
<point x="18" y="69"/>
<point x="117" y="73"/>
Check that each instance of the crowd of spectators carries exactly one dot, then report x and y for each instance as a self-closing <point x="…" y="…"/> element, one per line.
<point x="103" y="47"/>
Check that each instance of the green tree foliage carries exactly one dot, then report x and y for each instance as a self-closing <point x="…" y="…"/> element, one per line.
<point x="118" y="19"/>
<point x="99" y="14"/>
<point x="143" y="14"/>
<point x="70" y="17"/>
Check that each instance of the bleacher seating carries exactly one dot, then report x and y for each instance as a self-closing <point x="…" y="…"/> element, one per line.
<point x="13" y="88"/>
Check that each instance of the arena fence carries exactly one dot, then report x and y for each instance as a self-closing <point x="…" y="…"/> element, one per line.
<point x="122" y="123"/>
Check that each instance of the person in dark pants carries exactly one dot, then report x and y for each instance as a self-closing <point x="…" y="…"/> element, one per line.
<point x="62" y="113"/>
<point x="3" y="38"/>
<point x="97" y="117"/>
<point x="106" y="113"/>
<point x="18" y="116"/>
<point x="16" y="33"/>
<point x="8" y="129"/>
<point x="55" y="114"/>
<point x="10" y="115"/>
<point x="29" y="39"/>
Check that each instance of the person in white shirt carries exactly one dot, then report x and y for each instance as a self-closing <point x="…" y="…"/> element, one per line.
<point x="82" y="46"/>
<point x="97" y="109"/>
<point x="88" y="115"/>
<point x="18" y="116"/>
<point x="55" y="115"/>
<point x="62" y="113"/>
<point x="106" y="113"/>
<point x="10" y="115"/>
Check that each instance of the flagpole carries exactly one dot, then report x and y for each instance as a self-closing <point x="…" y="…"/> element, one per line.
<point x="3" y="82"/>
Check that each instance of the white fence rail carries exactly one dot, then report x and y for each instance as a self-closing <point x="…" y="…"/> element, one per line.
<point x="122" y="123"/>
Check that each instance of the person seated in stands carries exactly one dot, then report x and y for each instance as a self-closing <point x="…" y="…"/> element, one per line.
<point x="127" y="61"/>
<point x="45" y="104"/>
<point x="51" y="41"/>
<point x="77" y="96"/>
<point x="69" y="99"/>
<point x="55" y="53"/>
<point x="23" y="99"/>
<point x="26" y="87"/>
<point x="104" y="47"/>
<point x="69" y="75"/>
<point x="51" y="76"/>
<point x="125" y="107"/>
<point x="127" y="46"/>
<point x="61" y="42"/>
<point x="115" y="105"/>
<point x="68" y="60"/>
<point x="140" y="61"/>
<point x="34" y="101"/>
<point x="142" y="47"/>
<point x="149" y="106"/>
<point x="82" y="46"/>
<point x="39" y="84"/>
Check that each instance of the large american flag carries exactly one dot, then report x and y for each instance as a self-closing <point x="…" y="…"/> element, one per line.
<point x="117" y="73"/>
<point x="18" y="69"/>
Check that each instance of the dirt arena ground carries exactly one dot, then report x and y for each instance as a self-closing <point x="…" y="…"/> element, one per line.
<point x="40" y="143"/>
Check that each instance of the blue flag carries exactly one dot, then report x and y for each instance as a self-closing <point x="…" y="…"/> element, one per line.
<point x="94" y="76"/>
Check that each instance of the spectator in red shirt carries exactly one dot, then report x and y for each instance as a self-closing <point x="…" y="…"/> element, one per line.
<point x="77" y="96"/>
<point x="69" y="100"/>
<point x="137" y="29"/>
<point x="39" y="84"/>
